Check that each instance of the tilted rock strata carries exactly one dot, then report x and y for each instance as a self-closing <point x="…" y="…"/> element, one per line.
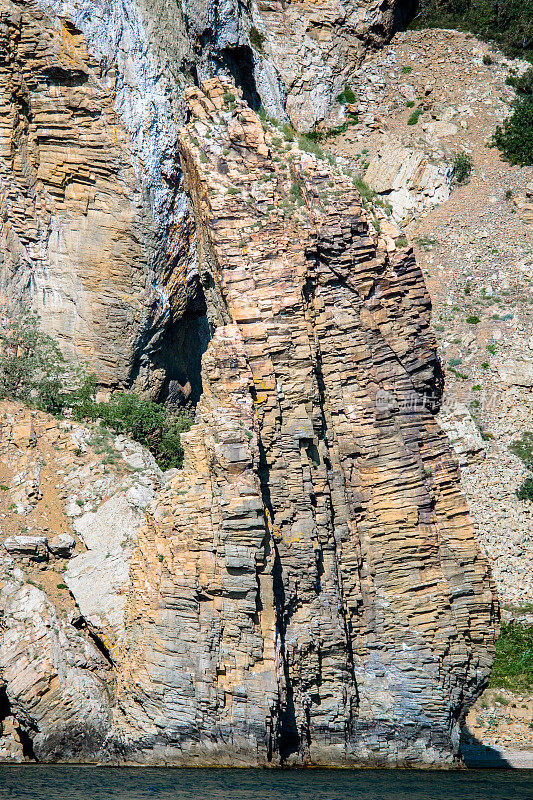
<point x="78" y="240"/>
<point x="358" y="607"/>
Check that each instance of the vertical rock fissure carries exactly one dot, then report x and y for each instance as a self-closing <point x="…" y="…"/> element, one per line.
<point x="26" y="740"/>
<point x="286" y="730"/>
<point x="308" y="292"/>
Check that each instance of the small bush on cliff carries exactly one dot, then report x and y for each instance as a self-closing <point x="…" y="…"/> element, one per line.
<point x="462" y="167"/>
<point x="32" y="367"/>
<point x="515" y="137"/>
<point x="513" y="665"/>
<point x="525" y="491"/>
<point x="34" y="371"/>
<point x="148" y="423"/>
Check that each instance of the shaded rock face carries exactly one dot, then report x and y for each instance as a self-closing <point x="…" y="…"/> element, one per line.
<point x="309" y="588"/>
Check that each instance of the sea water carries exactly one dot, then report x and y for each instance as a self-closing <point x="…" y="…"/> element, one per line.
<point x="40" y="782"/>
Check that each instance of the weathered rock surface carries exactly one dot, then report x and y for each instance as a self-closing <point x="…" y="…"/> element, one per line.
<point x="78" y="238"/>
<point x="308" y="588"/>
<point x="335" y="625"/>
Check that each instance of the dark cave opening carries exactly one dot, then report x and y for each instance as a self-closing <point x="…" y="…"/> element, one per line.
<point x="25" y="738"/>
<point x="240" y="63"/>
<point x="181" y="351"/>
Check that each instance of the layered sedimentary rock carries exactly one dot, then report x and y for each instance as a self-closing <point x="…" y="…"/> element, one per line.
<point x="80" y="238"/>
<point x="309" y="587"/>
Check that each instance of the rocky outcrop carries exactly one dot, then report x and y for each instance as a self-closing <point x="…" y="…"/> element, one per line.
<point x="79" y="237"/>
<point x="297" y="594"/>
<point x="308" y="589"/>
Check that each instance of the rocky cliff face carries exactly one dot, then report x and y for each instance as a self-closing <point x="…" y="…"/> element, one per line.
<point x="308" y="588"/>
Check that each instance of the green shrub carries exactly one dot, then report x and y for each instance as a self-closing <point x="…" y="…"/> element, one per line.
<point x="346" y="96"/>
<point x="515" y="138"/>
<point x="522" y="84"/>
<point x="525" y="491"/>
<point x="33" y="371"/>
<point x="473" y="320"/>
<point x="508" y="23"/>
<point x="413" y="119"/>
<point x="229" y="97"/>
<point x="523" y="449"/>
<point x="257" y="39"/>
<point x="462" y="167"/>
<point x="410" y="104"/>
<point x="407" y="70"/>
<point x="32" y="367"/>
<point x="513" y="664"/>
<point x="487" y="60"/>
<point x="146" y="422"/>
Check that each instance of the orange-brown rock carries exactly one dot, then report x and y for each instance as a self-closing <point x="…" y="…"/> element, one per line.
<point x="79" y="240"/>
<point x="309" y="588"/>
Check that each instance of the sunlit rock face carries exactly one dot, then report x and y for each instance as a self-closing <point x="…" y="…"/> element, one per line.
<point x="307" y="589"/>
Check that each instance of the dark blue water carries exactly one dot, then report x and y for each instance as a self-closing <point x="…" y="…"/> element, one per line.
<point x="92" y="783"/>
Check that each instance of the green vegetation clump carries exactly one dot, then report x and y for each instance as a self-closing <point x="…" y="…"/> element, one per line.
<point x="513" y="665"/>
<point x="514" y="138"/>
<point x="473" y="320"/>
<point x="525" y="491"/>
<point x="346" y="96"/>
<point x="257" y="39"/>
<point x="407" y="70"/>
<point x="34" y="371"/>
<point x="507" y="23"/>
<point x="462" y="167"/>
<point x="413" y="119"/>
<point x="229" y="97"/>
<point x="523" y="449"/>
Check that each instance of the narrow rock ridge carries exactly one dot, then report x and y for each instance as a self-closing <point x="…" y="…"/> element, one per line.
<point x="308" y="589"/>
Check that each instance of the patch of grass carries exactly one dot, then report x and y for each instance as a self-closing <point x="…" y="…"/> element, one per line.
<point x="310" y="146"/>
<point x="407" y="70"/>
<point x="232" y="190"/>
<point x="492" y="349"/>
<point x="525" y="491"/>
<point x="410" y="104"/>
<point x="513" y="665"/>
<point x="462" y="167"/>
<point x="473" y="320"/>
<point x="413" y="119"/>
<point x="288" y="133"/>
<point x="257" y="39"/>
<point x="523" y="449"/>
<point x="458" y="374"/>
<point x="426" y="242"/>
